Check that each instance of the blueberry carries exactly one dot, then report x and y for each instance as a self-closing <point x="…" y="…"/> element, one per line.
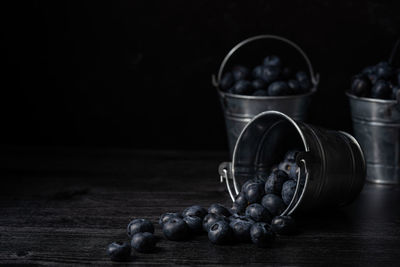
<point x="241" y="200"/>
<point x="278" y="88"/>
<point x="118" y="251"/>
<point x="236" y="217"/>
<point x="257" y="72"/>
<point x="361" y="86"/>
<point x="369" y="70"/>
<point x="227" y="81"/>
<point x="273" y="203"/>
<point x="270" y="74"/>
<point x="275" y="182"/>
<point x="195" y="210"/>
<point x="294" y="86"/>
<point x="240" y="72"/>
<point x="258" y="213"/>
<point x="288" y="190"/>
<point x="259" y="84"/>
<point x="254" y="192"/>
<point x="176" y="229"/>
<point x="139" y="226"/>
<point x="381" y="89"/>
<point x="242" y="87"/>
<point x="291" y="155"/>
<point x="210" y="219"/>
<point x="384" y="70"/>
<point x="194" y="223"/>
<point x="143" y="242"/>
<point x="395" y="91"/>
<point x="290" y="168"/>
<point x="220" y="232"/>
<point x="303" y="80"/>
<point x="272" y="60"/>
<point x="219" y="210"/>
<point x="167" y="216"/>
<point x="286" y="73"/>
<point x="241" y="230"/>
<point x="261" y="234"/>
<point x="283" y="225"/>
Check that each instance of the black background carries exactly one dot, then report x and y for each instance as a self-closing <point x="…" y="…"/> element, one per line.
<point x="137" y="74"/>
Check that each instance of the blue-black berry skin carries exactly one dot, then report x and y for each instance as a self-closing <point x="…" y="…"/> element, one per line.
<point x="219" y="210"/>
<point x="236" y="217"/>
<point x="240" y="204"/>
<point x="361" y="86"/>
<point x="272" y="60"/>
<point x="118" y="251"/>
<point x="284" y="225"/>
<point x="167" y="216"/>
<point x="143" y="242"/>
<point x="290" y="167"/>
<point x="259" y="84"/>
<point x="194" y="223"/>
<point x="220" y="233"/>
<point x="294" y="86"/>
<point x="396" y="91"/>
<point x="270" y="74"/>
<point x="254" y="192"/>
<point x="227" y="81"/>
<point x="275" y="182"/>
<point x="241" y="230"/>
<point x="303" y="80"/>
<point x="139" y="226"/>
<point x="288" y="190"/>
<point x="258" y="213"/>
<point x="261" y="234"/>
<point x="278" y="88"/>
<point x="195" y="210"/>
<point x="382" y="90"/>
<point x="242" y="87"/>
<point x="384" y="70"/>
<point x="176" y="229"/>
<point x="291" y="155"/>
<point x="257" y="72"/>
<point x="274" y="204"/>
<point x="240" y="72"/>
<point x="210" y="219"/>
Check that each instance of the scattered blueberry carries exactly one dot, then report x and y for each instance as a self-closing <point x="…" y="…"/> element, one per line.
<point x="270" y="74"/>
<point x="166" y="216"/>
<point x="278" y="88"/>
<point x="119" y="251"/>
<point x="258" y="213"/>
<point x="240" y="203"/>
<point x="194" y="223"/>
<point x="272" y="60"/>
<point x="227" y="81"/>
<point x="143" y="242"/>
<point x="236" y="217"/>
<point x="220" y="232"/>
<point x="259" y="84"/>
<point x="195" y="210"/>
<point x="361" y="86"/>
<point x="254" y="192"/>
<point x="283" y="225"/>
<point x="382" y="90"/>
<point x="241" y="230"/>
<point x="176" y="229"/>
<point x="210" y="219"/>
<point x="273" y="203"/>
<point x="261" y="234"/>
<point x="219" y="210"/>
<point x="242" y="87"/>
<point x="275" y="182"/>
<point x="139" y="226"/>
<point x="240" y="72"/>
<point x="288" y="190"/>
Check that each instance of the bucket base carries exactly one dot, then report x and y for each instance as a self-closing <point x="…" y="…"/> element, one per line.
<point x="382" y="174"/>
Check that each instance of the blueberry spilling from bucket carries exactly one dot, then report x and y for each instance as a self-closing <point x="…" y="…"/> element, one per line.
<point x="380" y="81"/>
<point x="270" y="78"/>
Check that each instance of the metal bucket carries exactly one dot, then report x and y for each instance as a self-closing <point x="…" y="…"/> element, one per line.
<point x="240" y="109"/>
<point x="376" y="125"/>
<point x="331" y="162"/>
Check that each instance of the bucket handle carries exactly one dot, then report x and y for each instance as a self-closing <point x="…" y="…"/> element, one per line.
<point x="314" y="77"/>
<point x="225" y="172"/>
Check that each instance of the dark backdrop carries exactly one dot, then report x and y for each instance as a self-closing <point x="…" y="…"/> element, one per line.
<point x="137" y="73"/>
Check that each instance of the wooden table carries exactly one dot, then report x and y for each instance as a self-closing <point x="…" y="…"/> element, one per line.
<point x="64" y="206"/>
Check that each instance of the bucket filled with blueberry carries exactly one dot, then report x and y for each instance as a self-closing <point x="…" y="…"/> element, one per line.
<point x="262" y="73"/>
<point x="375" y="108"/>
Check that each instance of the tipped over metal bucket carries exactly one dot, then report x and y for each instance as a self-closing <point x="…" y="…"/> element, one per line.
<point x="376" y="125"/>
<point x="240" y="109"/>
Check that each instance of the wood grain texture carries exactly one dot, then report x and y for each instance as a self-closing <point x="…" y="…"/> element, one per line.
<point x="65" y="206"/>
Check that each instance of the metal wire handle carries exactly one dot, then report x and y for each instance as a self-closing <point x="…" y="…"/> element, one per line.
<point x="314" y="77"/>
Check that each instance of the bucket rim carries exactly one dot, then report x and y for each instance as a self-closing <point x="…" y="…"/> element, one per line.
<point x="371" y="100"/>
<point x="251" y="97"/>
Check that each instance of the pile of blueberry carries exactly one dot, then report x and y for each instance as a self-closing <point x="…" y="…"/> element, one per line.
<point x="269" y="79"/>
<point x="380" y="81"/>
<point x="254" y="217"/>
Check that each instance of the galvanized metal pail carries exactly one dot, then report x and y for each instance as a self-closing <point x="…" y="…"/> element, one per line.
<point x="376" y="125"/>
<point x="331" y="162"/>
<point x="240" y="109"/>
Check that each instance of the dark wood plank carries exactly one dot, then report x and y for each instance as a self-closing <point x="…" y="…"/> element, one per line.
<point x="65" y="209"/>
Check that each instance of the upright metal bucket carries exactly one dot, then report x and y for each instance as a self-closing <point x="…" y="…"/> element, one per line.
<point x="376" y="125"/>
<point x="331" y="162"/>
<point x="240" y="109"/>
